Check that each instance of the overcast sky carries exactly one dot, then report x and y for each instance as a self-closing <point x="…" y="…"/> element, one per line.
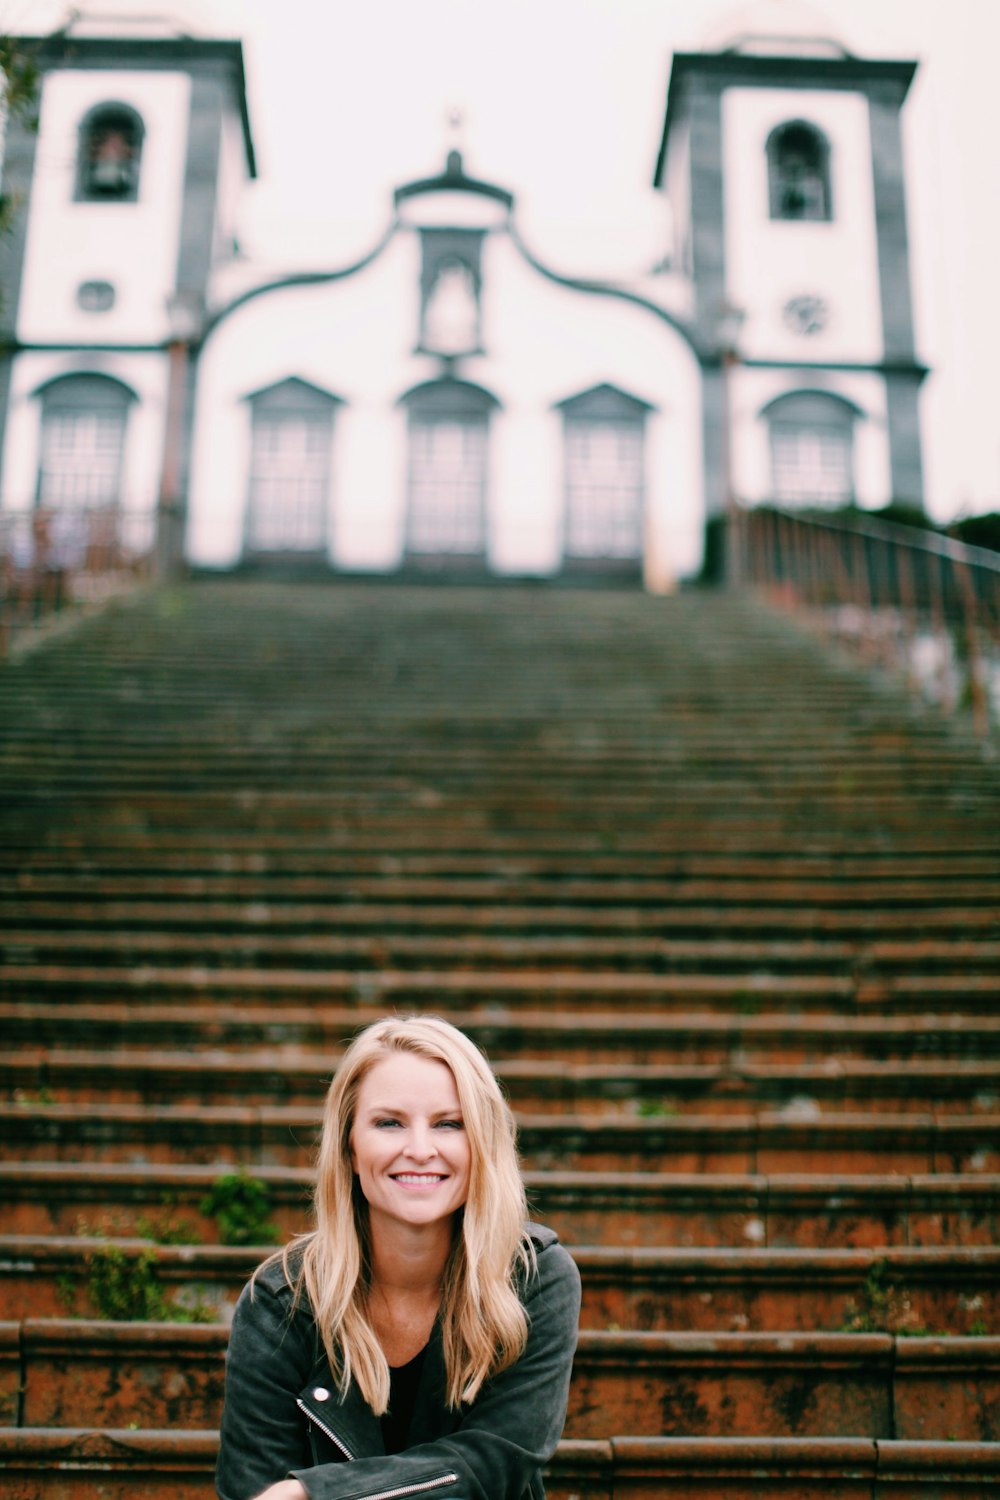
<point x="562" y="102"/>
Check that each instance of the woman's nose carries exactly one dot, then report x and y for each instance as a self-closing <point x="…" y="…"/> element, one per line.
<point x="419" y="1144"/>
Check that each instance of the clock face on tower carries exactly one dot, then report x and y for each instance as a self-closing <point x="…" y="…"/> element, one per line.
<point x="806" y="314"/>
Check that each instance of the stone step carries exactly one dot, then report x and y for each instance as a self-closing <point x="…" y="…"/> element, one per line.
<point x="945" y="1291"/>
<point x="815" y="951"/>
<point x="650" y="1209"/>
<point x="764" y="1141"/>
<point x="292" y="1075"/>
<point x="119" y="922"/>
<point x="304" y="866"/>
<point x="134" y="898"/>
<point x="56" y="1372"/>
<point x="743" y="991"/>
<point x="611" y="1036"/>
<point x="69" y="1463"/>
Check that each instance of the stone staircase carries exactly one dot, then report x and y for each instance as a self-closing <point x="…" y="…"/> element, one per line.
<point x="722" y="912"/>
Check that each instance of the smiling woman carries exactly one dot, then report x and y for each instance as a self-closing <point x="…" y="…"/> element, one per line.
<point x="419" y="1340"/>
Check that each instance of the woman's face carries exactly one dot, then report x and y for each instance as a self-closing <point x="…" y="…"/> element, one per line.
<point x="409" y="1147"/>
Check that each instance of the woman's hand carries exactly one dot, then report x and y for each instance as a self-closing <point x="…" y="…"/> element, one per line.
<point x="285" y="1489"/>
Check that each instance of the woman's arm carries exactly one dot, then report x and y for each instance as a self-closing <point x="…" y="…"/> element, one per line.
<point x="270" y="1359"/>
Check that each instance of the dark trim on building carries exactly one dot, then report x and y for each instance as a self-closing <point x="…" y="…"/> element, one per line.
<point x="17" y="346"/>
<point x="20" y="149"/>
<point x="707" y="223"/>
<point x="449" y="399"/>
<point x="727" y="69"/>
<point x="292" y="394"/>
<point x="604" y="402"/>
<point x="847" y="408"/>
<point x="905" y="457"/>
<point x="908" y="367"/>
<point x="453" y="180"/>
<point x="605" y="289"/>
<point x="890" y="224"/>
<point x="201" y="176"/>
<point x="714" y="440"/>
<point x="297" y="279"/>
<point x="188" y="54"/>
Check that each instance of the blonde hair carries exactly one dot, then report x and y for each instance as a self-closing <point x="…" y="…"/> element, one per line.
<point x="484" y="1326"/>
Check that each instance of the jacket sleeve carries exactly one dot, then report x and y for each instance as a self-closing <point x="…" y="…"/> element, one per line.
<point x="270" y="1358"/>
<point x="508" y="1433"/>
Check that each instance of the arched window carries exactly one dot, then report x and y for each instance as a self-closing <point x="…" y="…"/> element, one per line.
<point x="604" y="448"/>
<point x="288" y="505"/>
<point x="812" y="448"/>
<point x="446" y="479"/>
<point x="798" y="171"/>
<point x="83" y="439"/>
<point x="108" y="155"/>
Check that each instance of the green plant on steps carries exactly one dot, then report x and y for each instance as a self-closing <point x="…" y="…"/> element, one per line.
<point x="881" y="1307"/>
<point x="241" y="1205"/>
<point x="124" y="1287"/>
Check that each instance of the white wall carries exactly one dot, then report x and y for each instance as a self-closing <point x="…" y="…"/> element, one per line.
<point x="769" y="261"/>
<point x="132" y="245"/>
<point x="355" y="339"/>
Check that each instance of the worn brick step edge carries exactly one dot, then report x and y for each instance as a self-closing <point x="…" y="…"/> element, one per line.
<point x="121" y="920"/>
<point x="685" y="1210"/>
<point x="766" y="1141"/>
<point x="540" y="953"/>
<point x="653" y="1384"/>
<point x="258" y="862"/>
<point x="80" y="1463"/>
<point x="705" y="1036"/>
<point x="296" y="1076"/>
<point x="37" y="891"/>
<point x="941" y="1289"/>
<point x="564" y="991"/>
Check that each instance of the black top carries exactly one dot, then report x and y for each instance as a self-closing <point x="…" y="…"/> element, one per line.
<point x="403" y="1382"/>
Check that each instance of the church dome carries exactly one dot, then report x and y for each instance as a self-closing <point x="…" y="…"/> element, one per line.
<point x="776" y="28"/>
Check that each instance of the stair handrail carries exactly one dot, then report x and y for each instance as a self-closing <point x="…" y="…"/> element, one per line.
<point x="56" y="557"/>
<point x="903" y="597"/>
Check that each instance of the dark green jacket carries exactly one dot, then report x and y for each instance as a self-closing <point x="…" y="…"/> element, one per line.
<point x="283" y="1415"/>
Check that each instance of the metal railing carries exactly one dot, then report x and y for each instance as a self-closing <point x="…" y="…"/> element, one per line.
<point x="912" y="601"/>
<point x="57" y="559"/>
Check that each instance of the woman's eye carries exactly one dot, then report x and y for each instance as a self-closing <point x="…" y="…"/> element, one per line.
<point x="382" y="1124"/>
<point x="451" y="1124"/>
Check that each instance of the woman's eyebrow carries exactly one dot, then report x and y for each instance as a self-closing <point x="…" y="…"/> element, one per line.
<point x="445" y="1112"/>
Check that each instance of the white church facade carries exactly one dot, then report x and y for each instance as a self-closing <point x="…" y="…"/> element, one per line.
<point x="448" y="405"/>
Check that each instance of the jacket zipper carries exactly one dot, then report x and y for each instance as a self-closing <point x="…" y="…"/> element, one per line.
<point x="323" y="1428"/>
<point x="406" y="1489"/>
<point x="412" y="1489"/>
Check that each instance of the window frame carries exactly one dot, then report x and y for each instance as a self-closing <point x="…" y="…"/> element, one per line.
<point x="822" y="416"/>
<point x="776" y="184"/>
<point x="109" y="111"/>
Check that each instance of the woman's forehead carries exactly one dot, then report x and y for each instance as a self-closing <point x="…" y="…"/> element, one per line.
<point x="407" y="1078"/>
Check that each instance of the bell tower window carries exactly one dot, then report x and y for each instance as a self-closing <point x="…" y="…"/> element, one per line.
<point x="109" y="155"/>
<point x="798" y="171"/>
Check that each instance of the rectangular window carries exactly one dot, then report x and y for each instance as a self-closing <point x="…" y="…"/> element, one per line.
<point x="81" y="459"/>
<point x="289" y="481"/>
<point x="604" y="489"/>
<point x="447" y="488"/>
<point x="812" y="465"/>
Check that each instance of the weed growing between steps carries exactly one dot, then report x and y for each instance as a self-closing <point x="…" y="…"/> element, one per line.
<point x="241" y="1205"/>
<point x="881" y="1307"/>
<point x="125" y="1288"/>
